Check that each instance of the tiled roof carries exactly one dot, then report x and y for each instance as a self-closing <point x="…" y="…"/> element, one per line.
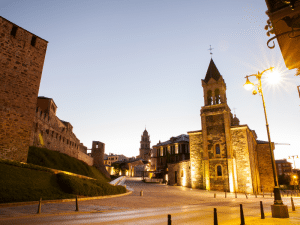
<point x="180" y="138"/>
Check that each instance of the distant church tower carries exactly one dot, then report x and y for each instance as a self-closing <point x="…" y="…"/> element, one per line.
<point x="145" y="146"/>
<point x="216" y="122"/>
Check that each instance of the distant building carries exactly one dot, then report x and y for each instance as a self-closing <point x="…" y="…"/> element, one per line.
<point x="145" y="146"/>
<point x="283" y="167"/>
<point x="172" y="151"/>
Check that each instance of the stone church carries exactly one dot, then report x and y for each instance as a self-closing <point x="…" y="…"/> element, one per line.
<point x="145" y="146"/>
<point x="224" y="155"/>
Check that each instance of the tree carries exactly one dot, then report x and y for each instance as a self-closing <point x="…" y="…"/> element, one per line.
<point x="284" y="179"/>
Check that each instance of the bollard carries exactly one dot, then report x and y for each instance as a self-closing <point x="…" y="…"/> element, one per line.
<point x="169" y="220"/>
<point x="271" y="194"/>
<point x="215" y="195"/>
<point x="235" y="195"/>
<point x="255" y="195"/>
<point x="215" y="217"/>
<point x="225" y="194"/>
<point x="40" y="206"/>
<point x="246" y="195"/>
<point x="263" y="194"/>
<point x="262" y="214"/>
<point x="242" y="215"/>
<point x="293" y="206"/>
<point x="76" y="202"/>
<point x="141" y="194"/>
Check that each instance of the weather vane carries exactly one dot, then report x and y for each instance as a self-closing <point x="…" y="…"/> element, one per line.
<point x="210" y="50"/>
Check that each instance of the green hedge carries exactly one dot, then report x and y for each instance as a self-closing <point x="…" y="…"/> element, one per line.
<point x="59" y="161"/>
<point x="86" y="187"/>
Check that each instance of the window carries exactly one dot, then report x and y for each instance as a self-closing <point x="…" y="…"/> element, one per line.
<point x="14" y="31"/>
<point x="219" y="171"/>
<point x="33" y="41"/>
<point x="209" y="97"/>
<point x="217" y="96"/>
<point x="218" y="152"/>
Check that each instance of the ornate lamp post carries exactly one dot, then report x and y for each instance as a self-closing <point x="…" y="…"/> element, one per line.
<point x="278" y="209"/>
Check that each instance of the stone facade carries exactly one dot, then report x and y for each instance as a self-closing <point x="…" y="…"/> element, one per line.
<point x="224" y="155"/>
<point x="22" y="56"/>
<point x="180" y="173"/>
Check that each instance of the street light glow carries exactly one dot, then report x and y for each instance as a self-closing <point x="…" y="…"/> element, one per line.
<point x="273" y="77"/>
<point x="248" y="85"/>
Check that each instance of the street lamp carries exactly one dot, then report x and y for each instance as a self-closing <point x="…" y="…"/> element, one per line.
<point x="278" y="209"/>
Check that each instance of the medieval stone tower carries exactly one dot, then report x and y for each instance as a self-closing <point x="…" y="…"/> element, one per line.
<point x="145" y="146"/>
<point x="22" y="57"/>
<point x="98" y="149"/>
<point x="216" y="122"/>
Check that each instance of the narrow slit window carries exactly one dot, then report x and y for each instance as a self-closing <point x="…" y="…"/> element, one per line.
<point x="33" y="41"/>
<point x="218" y="152"/>
<point x="219" y="171"/>
<point x="14" y="31"/>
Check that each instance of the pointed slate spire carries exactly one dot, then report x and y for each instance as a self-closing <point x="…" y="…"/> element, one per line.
<point x="212" y="72"/>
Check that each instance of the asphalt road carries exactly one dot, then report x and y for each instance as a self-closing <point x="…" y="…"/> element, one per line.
<point x="185" y="205"/>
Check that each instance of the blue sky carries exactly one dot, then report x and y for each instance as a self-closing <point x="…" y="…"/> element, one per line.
<point x="114" y="67"/>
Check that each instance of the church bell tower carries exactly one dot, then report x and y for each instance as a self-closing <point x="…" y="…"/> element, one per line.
<point x="145" y="146"/>
<point x="216" y="121"/>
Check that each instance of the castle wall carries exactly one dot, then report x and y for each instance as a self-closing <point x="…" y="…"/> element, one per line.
<point x="22" y="57"/>
<point x="196" y="158"/>
<point x="54" y="134"/>
<point x="98" y="149"/>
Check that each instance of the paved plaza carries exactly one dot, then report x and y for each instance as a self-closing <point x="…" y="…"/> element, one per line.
<point x="185" y="205"/>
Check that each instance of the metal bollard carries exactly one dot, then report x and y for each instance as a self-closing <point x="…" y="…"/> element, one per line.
<point x="246" y="195"/>
<point x="215" y="195"/>
<point x="271" y="194"/>
<point x="40" y="206"/>
<point x="225" y="194"/>
<point x="262" y="214"/>
<point x="141" y="194"/>
<point x="77" y="209"/>
<point x="242" y="215"/>
<point x="293" y="206"/>
<point x="235" y="195"/>
<point x="169" y="220"/>
<point x="215" y="217"/>
<point x="255" y="195"/>
<point x="263" y="194"/>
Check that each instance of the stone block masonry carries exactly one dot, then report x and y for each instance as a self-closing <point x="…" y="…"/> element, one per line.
<point x="22" y="56"/>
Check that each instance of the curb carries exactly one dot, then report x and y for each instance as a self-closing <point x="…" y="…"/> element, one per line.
<point x="3" y="205"/>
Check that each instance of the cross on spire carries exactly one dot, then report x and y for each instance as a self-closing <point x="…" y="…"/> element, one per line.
<point x="210" y="50"/>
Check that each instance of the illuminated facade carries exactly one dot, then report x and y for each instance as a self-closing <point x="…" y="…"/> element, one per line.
<point x="224" y="155"/>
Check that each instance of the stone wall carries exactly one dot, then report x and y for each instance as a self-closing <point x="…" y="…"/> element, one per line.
<point x="196" y="158"/>
<point x="98" y="149"/>
<point x="22" y="57"/>
<point x="265" y="166"/>
<point x="182" y="171"/>
<point x="55" y="134"/>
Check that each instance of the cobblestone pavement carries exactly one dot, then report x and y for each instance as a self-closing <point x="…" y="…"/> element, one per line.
<point x="187" y="206"/>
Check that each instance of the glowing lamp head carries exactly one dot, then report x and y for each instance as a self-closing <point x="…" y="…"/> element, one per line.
<point x="248" y="85"/>
<point x="274" y="76"/>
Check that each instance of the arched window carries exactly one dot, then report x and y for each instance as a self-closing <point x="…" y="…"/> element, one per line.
<point x="217" y="96"/>
<point x="219" y="171"/>
<point x="209" y="98"/>
<point x="217" y="147"/>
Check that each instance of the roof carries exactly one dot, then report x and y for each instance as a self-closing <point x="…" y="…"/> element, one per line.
<point x="180" y="138"/>
<point x="282" y="161"/>
<point x="212" y="72"/>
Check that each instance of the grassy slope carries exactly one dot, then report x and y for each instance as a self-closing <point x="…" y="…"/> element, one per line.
<point x="59" y="161"/>
<point x="30" y="184"/>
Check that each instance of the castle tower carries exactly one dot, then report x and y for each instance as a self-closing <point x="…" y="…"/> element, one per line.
<point x="216" y="121"/>
<point x="98" y="149"/>
<point x="22" y="57"/>
<point x="145" y="146"/>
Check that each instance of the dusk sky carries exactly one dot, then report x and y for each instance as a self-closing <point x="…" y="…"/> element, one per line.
<point x="113" y="67"/>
